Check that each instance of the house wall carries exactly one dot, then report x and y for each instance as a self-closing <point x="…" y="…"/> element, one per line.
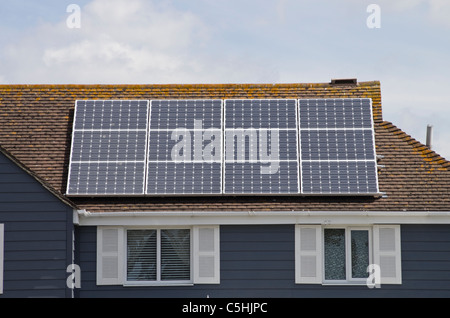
<point x="37" y="236"/>
<point x="258" y="261"/>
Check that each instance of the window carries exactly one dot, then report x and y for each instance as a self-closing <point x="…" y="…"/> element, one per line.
<point x="158" y="256"/>
<point x="341" y="255"/>
<point x="346" y="254"/>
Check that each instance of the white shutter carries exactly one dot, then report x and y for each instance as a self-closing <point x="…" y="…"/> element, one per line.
<point x="387" y="253"/>
<point x="206" y="254"/>
<point x="110" y="244"/>
<point x="308" y="254"/>
<point x="2" y="241"/>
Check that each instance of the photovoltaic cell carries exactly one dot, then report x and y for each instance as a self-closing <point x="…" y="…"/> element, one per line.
<point x="185" y="147"/>
<point x="108" y="148"/>
<point x="261" y="152"/>
<point x="337" y="146"/>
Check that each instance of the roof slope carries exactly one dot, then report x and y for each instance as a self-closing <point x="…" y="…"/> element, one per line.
<point x="36" y="125"/>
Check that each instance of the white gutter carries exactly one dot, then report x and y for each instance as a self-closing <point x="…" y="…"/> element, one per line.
<point x="262" y="217"/>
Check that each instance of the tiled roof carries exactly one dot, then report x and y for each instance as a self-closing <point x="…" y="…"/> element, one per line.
<point x="36" y="124"/>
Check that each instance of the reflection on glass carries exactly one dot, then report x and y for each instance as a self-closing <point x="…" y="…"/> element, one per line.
<point x="335" y="254"/>
<point x="360" y="253"/>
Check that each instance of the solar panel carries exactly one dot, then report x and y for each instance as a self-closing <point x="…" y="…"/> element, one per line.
<point x="108" y="151"/>
<point x="337" y="146"/>
<point x="261" y="152"/>
<point x="185" y="147"/>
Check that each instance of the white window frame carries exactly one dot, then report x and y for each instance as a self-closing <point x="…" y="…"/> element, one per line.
<point x="348" y="257"/>
<point x="158" y="281"/>
<point x="2" y="243"/>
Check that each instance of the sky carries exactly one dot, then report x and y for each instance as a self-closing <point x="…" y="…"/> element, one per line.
<point x="404" y="44"/>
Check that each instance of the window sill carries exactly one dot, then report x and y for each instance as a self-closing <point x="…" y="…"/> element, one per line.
<point x="344" y="283"/>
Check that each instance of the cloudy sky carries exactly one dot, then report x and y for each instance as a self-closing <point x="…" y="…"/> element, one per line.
<point x="240" y="41"/>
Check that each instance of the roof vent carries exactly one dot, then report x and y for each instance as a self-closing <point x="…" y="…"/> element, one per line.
<point x="344" y="81"/>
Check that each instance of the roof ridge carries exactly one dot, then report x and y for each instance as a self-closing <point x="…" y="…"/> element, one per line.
<point x="425" y="152"/>
<point x="293" y="84"/>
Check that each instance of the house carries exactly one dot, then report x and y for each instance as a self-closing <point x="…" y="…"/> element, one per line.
<point x="139" y="225"/>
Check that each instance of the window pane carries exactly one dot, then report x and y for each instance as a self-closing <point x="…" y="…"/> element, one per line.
<point x="175" y="254"/>
<point x="141" y="255"/>
<point x="334" y="254"/>
<point x="360" y="253"/>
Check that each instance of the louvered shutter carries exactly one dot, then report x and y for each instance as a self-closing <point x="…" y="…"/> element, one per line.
<point x="110" y="242"/>
<point x="206" y="254"/>
<point x="308" y="254"/>
<point x="387" y="253"/>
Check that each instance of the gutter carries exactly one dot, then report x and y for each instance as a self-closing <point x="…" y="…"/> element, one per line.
<point x="262" y="217"/>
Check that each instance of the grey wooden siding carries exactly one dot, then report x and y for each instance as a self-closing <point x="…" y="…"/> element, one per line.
<point x="258" y="261"/>
<point x="38" y="236"/>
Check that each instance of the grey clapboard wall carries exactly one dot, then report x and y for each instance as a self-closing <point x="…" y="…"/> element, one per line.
<point x="258" y="261"/>
<point x="37" y="236"/>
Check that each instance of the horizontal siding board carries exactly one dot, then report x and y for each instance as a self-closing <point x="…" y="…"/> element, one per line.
<point x="31" y="255"/>
<point x="37" y="235"/>
<point x="34" y="216"/>
<point x="261" y="255"/>
<point x="36" y="265"/>
<point x="24" y="225"/>
<point x="19" y="187"/>
<point x="37" y="246"/>
<point x="48" y="207"/>
<point x="36" y="197"/>
<point x="429" y="266"/>
<point x="49" y="274"/>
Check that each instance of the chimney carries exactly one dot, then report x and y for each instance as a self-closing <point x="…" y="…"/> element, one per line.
<point x="344" y="81"/>
<point x="429" y="135"/>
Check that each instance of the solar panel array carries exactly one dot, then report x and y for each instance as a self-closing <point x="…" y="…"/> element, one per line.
<point x="223" y="147"/>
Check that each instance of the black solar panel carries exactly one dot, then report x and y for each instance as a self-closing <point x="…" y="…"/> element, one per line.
<point x="185" y="155"/>
<point x="337" y="146"/>
<point x="108" y="148"/>
<point x="261" y="147"/>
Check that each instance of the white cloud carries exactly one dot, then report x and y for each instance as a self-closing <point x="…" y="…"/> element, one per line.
<point x="120" y="41"/>
<point x="440" y="12"/>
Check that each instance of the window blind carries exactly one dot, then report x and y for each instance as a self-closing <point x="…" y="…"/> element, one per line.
<point x="142" y="255"/>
